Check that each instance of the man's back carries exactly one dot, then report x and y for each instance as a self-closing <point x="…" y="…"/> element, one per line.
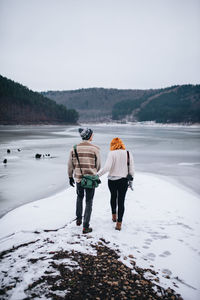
<point x="89" y="160"/>
<point x="90" y="164"/>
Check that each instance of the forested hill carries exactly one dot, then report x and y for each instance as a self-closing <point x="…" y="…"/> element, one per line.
<point x="173" y="104"/>
<point x="19" y="105"/>
<point x="94" y="104"/>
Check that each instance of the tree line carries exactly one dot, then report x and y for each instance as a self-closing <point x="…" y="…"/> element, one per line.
<point x="172" y="105"/>
<point x="19" y="105"/>
<point x="178" y="103"/>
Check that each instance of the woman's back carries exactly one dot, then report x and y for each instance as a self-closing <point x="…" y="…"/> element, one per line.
<point x="116" y="164"/>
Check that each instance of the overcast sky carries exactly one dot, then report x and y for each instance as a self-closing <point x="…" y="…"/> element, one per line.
<point x="71" y="44"/>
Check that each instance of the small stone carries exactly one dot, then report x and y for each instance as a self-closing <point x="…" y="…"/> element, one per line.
<point x="157" y="279"/>
<point x="137" y="282"/>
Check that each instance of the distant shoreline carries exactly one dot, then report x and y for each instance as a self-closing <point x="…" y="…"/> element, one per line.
<point x="138" y="124"/>
<point x="37" y="124"/>
<point x="144" y="124"/>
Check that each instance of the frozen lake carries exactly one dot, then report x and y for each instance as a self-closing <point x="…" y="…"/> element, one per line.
<point x="169" y="151"/>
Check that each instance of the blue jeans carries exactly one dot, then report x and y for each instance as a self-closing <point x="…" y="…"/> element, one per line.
<point x="89" y="193"/>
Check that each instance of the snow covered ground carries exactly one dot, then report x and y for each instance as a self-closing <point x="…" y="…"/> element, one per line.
<point x="161" y="229"/>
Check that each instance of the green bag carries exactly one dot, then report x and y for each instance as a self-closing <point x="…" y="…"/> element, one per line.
<point x="87" y="181"/>
<point x="90" y="181"/>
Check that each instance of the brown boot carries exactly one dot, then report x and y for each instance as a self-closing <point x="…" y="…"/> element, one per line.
<point x="118" y="226"/>
<point x="114" y="217"/>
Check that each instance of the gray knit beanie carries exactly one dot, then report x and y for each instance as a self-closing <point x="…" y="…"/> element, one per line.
<point x="85" y="133"/>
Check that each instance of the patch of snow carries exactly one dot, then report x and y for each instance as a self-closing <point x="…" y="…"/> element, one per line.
<point x="160" y="229"/>
<point x="11" y="157"/>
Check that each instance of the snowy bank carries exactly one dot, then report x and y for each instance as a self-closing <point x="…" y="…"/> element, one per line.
<point x="152" y="124"/>
<point x="161" y="229"/>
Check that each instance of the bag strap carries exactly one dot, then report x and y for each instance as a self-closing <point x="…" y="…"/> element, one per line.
<point x="76" y="153"/>
<point x="128" y="160"/>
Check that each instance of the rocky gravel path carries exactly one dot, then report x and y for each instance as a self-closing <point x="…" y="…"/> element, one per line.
<point x="76" y="275"/>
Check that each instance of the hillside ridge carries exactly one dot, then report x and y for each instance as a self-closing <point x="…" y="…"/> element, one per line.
<point x="178" y="103"/>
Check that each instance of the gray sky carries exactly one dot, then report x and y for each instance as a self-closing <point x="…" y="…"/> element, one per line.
<point x="71" y="44"/>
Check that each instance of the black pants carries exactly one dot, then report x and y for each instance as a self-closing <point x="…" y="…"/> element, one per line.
<point x="89" y="193"/>
<point x="118" y="189"/>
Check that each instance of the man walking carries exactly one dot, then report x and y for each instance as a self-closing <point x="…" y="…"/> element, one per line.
<point x="89" y="158"/>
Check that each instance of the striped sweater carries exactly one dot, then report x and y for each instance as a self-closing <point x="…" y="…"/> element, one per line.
<point x="89" y="158"/>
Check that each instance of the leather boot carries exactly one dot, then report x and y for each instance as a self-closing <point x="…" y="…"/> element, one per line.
<point x="118" y="226"/>
<point x="87" y="230"/>
<point x="78" y="222"/>
<point x="114" y="217"/>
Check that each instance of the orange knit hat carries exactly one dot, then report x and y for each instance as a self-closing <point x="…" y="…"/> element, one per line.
<point x="116" y="144"/>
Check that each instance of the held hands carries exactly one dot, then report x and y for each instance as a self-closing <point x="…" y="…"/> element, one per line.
<point x="71" y="181"/>
<point x="99" y="181"/>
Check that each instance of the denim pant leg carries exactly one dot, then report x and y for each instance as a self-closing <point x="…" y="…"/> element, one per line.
<point x="88" y="207"/>
<point x="122" y="189"/>
<point x="113" y="195"/>
<point x="79" y="200"/>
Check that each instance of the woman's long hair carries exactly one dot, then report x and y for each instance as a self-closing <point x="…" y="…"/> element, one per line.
<point x="117" y="144"/>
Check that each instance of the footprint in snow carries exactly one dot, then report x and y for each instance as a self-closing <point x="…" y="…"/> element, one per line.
<point x="167" y="272"/>
<point x="184" y="225"/>
<point x="151" y="255"/>
<point x="148" y="241"/>
<point x="194" y="249"/>
<point x="165" y="254"/>
<point x="157" y="236"/>
<point x="124" y="244"/>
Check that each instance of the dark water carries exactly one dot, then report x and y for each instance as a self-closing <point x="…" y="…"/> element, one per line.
<point x="173" y="152"/>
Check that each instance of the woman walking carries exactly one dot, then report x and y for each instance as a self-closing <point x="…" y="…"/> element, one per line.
<point x="117" y="167"/>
